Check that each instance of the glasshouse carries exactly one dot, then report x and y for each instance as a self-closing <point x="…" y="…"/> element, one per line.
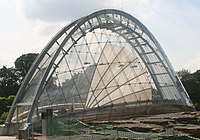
<point x="103" y="66"/>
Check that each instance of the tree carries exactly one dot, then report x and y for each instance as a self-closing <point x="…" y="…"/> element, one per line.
<point x="197" y="75"/>
<point x="184" y="73"/>
<point x="23" y="63"/>
<point x="11" y="78"/>
<point x="9" y="81"/>
<point x="4" y="116"/>
<point x="5" y="102"/>
<point x="191" y="83"/>
<point x="4" y="107"/>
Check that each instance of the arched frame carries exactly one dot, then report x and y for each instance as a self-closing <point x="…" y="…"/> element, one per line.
<point x="119" y="22"/>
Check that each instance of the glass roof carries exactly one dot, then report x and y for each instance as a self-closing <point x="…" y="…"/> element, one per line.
<point x="103" y="60"/>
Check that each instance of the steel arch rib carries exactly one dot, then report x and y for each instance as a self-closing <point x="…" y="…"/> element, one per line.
<point x="32" y="69"/>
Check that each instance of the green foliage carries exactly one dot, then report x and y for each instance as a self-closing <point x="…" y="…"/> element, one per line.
<point x="191" y="83"/>
<point x="4" y="116"/>
<point x="11" y="78"/>
<point x="184" y="73"/>
<point x="23" y="63"/>
<point x="11" y="98"/>
<point x="197" y="75"/>
<point x="4" y="107"/>
<point x="9" y="81"/>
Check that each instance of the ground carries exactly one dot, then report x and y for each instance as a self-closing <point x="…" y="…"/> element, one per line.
<point x="182" y="125"/>
<point x="7" y="137"/>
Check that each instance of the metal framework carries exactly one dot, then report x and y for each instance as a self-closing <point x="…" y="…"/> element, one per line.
<point x="101" y="66"/>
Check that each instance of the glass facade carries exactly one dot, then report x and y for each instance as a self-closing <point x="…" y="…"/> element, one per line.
<point x="97" y="64"/>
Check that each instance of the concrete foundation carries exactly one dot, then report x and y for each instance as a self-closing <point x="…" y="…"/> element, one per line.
<point x="9" y="129"/>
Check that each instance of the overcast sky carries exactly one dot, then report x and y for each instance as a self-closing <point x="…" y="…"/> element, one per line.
<point x="27" y="25"/>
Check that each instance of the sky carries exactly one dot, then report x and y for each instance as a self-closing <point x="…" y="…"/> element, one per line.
<point x="26" y="26"/>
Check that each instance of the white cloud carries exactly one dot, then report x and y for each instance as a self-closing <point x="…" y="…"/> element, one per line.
<point x="11" y="42"/>
<point x="59" y="10"/>
<point x="193" y="63"/>
<point x="4" y="2"/>
<point x="63" y="10"/>
<point x="176" y="28"/>
<point x="45" y="28"/>
<point x="29" y="25"/>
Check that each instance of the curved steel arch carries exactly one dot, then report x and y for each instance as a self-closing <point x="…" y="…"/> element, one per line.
<point x="33" y="68"/>
<point x="116" y="21"/>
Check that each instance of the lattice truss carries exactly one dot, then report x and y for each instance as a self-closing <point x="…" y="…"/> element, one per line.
<point x="106" y="59"/>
